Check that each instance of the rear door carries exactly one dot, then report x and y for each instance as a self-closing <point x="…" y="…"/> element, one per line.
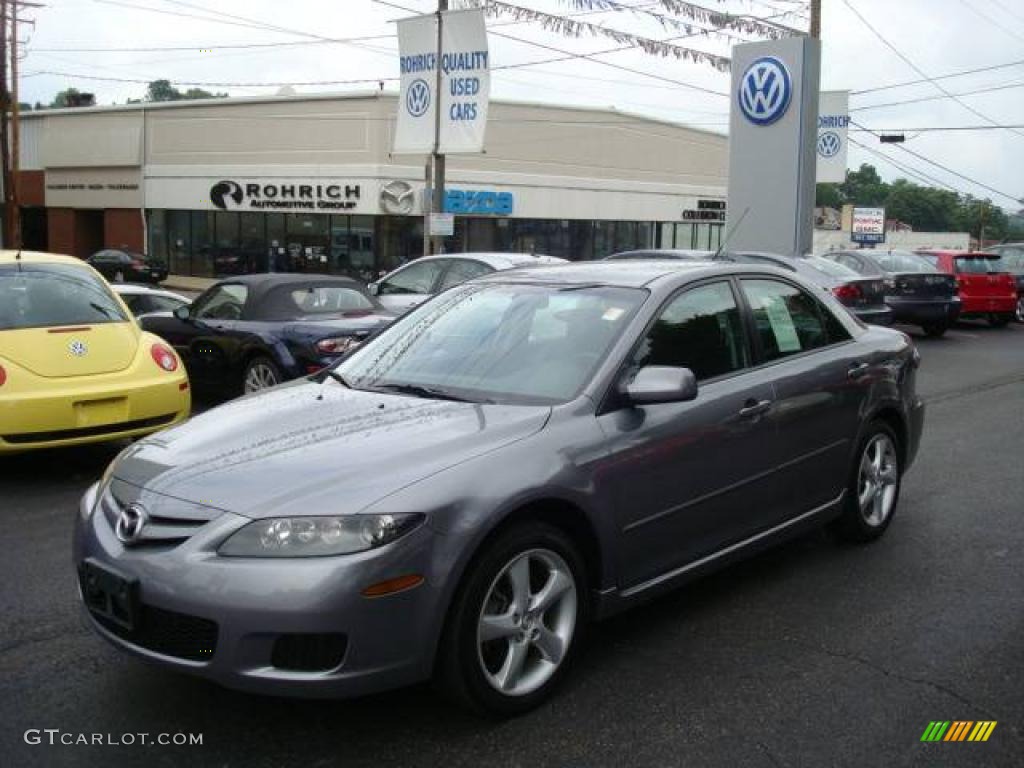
<point x="821" y="377"/>
<point x="688" y="478"/>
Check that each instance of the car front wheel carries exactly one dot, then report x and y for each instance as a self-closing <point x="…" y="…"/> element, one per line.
<point x="260" y="373"/>
<point x="934" y="330"/>
<point x="1020" y="310"/>
<point x="516" y="621"/>
<point x="874" y="486"/>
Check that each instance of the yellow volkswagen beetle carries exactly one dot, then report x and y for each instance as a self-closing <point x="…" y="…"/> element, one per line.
<point x="74" y="365"/>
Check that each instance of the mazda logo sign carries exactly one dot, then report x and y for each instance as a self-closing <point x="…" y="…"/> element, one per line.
<point x="130" y="523"/>
<point x="765" y="91"/>
<point x="397" y="197"/>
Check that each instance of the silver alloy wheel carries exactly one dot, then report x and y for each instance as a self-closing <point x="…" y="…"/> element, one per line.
<point x="877" y="480"/>
<point x="1020" y="310"/>
<point x="119" y="276"/>
<point x="260" y="376"/>
<point x="527" y="622"/>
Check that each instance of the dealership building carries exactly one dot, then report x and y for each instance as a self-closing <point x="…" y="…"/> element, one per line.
<point x="308" y="183"/>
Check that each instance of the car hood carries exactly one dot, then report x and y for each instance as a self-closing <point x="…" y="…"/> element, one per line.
<point x="307" y="448"/>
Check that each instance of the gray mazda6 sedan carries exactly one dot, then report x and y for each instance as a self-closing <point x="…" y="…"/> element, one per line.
<point x="463" y="494"/>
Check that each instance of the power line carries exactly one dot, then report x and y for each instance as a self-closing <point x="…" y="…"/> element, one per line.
<point x="920" y="71"/>
<point x="224" y="46"/>
<point x="948" y="170"/>
<point x="991" y="89"/>
<point x="1002" y="27"/>
<point x="919" y="175"/>
<point x="961" y="73"/>
<point x="1006" y="10"/>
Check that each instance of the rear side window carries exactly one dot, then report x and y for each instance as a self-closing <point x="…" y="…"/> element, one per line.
<point x="462" y="270"/>
<point x="789" y="321"/>
<point x="896" y="261"/>
<point x="977" y="265"/>
<point x="415" y="279"/>
<point x="701" y="330"/>
<point x="222" y="302"/>
<point x="44" y="295"/>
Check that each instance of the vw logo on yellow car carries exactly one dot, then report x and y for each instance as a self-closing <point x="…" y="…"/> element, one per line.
<point x="78" y="348"/>
<point x="130" y="523"/>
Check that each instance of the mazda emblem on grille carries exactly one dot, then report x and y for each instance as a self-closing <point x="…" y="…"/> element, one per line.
<point x="130" y="523"/>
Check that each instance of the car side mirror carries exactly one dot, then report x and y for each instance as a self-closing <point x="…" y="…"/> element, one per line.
<point x="661" y="384"/>
<point x="374" y="289"/>
<point x="181" y="313"/>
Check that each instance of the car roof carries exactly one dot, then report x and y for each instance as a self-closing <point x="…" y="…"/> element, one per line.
<point x="140" y="288"/>
<point x="952" y="252"/>
<point x="495" y="259"/>
<point x="38" y="257"/>
<point x="625" y="273"/>
<point x="661" y="253"/>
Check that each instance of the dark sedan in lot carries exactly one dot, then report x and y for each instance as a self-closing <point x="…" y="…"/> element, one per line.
<point x="251" y="332"/>
<point x="119" y="266"/>
<point x="462" y="494"/>
<point x="863" y="296"/>
<point x="917" y="292"/>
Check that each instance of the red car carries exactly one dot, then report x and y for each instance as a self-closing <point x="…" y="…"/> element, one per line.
<point x="986" y="290"/>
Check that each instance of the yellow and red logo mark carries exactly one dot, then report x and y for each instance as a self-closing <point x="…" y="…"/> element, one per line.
<point x="958" y="730"/>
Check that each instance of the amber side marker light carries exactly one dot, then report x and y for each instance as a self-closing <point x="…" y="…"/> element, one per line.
<point x="391" y="586"/>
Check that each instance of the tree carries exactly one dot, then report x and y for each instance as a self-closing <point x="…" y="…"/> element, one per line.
<point x="924" y="208"/>
<point x="974" y="214"/>
<point x="72" y="97"/>
<point x="829" y="195"/>
<point x="162" y="90"/>
<point x="864" y="187"/>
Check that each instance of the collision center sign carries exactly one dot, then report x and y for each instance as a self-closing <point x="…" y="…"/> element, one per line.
<point x="465" y="83"/>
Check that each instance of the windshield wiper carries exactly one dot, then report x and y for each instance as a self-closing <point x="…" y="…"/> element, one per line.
<point x="336" y="376"/>
<point x="100" y="308"/>
<point x="428" y="392"/>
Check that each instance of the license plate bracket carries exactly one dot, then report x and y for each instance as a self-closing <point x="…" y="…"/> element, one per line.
<point x="109" y="594"/>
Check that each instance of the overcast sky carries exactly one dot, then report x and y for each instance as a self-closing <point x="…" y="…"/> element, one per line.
<point x="938" y="36"/>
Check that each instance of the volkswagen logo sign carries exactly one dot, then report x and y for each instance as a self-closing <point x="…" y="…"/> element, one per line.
<point x="397" y="197"/>
<point x="130" y="523"/>
<point x="78" y="348"/>
<point x="829" y="144"/>
<point x="417" y="98"/>
<point x="765" y="91"/>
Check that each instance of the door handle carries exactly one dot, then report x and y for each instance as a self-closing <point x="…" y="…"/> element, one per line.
<point x="858" y="370"/>
<point x="754" y="408"/>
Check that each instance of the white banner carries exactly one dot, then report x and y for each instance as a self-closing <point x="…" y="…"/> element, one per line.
<point x="465" y="83"/>
<point x="833" y="123"/>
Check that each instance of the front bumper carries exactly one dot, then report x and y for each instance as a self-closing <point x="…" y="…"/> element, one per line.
<point x="60" y="412"/>
<point x="255" y="602"/>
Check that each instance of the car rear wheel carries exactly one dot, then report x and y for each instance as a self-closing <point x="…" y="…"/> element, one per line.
<point x="1020" y="310"/>
<point x="515" y="623"/>
<point x="260" y="373"/>
<point x="934" y="330"/>
<point x="874" y="486"/>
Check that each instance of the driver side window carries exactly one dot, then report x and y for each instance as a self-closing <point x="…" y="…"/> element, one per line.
<point x="223" y="302"/>
<point x="415" y="279"/>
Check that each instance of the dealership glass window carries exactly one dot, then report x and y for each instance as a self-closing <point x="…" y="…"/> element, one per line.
<point x="306" y="241"/>
<point x="228" y="258"/>
<point x="666" y="235"/>
<point x="604" y="238"/>
<point x="179" y="242"/>
<point x="399" y="239"/>
<point x="645" y="234"/>
<point x="361" y="252"/>
<point x="581" y="240"/>
<point x="157" y="237"/>
<point x="684" y="236"/>
<point x="203" y="243"/>
<point x="482" y="234"/>
<point x="625" y="236"/>
<point x="276" y="245"/>
<point x="253" y="240"/>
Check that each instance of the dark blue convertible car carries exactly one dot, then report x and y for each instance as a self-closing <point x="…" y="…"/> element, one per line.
<point x="247" y="333"/>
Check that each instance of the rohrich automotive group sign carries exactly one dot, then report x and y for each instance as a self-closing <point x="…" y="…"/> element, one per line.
<point x="325" y="196"/>
<point x="465" y="83"/>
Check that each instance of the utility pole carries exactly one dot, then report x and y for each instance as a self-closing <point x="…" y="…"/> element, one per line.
<point x="439" y="160"/>
<point x="816" y="19"/>
<point x="14" y="241"/>
<point x="5" y="102"/>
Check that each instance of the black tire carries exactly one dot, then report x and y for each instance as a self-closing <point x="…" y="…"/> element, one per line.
<point x="460" y="668"/>
<point x="934" y="330"/>
<point x="263" y="368"/>
<point x="997" y="320"/>
<point x="853" y="524"/>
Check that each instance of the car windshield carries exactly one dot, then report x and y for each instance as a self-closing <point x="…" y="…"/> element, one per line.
<point x="978" y="265"/>
<point x="44" y="295"/>
<point x="831" y="268"/>
<point x="900" y="261"/>
<point x="508" y="343"/>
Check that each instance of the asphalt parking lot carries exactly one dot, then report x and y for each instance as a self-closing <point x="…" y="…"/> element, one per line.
<point x="813" y="654"/>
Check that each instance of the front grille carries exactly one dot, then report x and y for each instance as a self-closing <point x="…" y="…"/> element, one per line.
<point x="309" y="652"/>
<point x="168" y="632"/>
<point x="104" y="429"/>
<point x="175" y="523"/>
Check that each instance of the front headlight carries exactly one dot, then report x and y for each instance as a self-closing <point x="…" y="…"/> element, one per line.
<point x="317" y="536"/>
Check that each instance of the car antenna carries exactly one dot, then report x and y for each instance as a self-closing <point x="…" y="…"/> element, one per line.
<point x="728" y="237"/>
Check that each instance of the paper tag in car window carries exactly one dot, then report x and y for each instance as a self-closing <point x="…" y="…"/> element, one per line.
<point x="612" y="314"/>
<point x="782" y="324"/>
